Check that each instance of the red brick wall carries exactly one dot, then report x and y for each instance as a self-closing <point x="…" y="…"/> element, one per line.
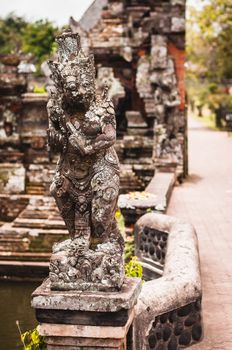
<point x="179" y="58"/>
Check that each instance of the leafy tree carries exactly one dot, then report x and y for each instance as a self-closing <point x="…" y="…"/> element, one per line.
<point x="38" y="39"/>
<point x="18" y="35"/>
<point x="215" y="24"/>
<point x="11" y="33"/>
<point x="209" y="52"/>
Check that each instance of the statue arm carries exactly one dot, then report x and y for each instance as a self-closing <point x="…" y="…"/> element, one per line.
<point x="86" y="147"/>
<point x="108" y="136"/>
<point x="56" y="139"/>
<point x="106" y="139"/>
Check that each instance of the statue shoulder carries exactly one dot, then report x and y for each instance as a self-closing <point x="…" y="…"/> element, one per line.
<point x="105" y="110"/>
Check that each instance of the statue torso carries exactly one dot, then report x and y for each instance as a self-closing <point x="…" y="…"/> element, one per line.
<point x="72" y="163"/>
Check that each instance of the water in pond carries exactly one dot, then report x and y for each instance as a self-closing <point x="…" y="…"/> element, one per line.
<point x="15" y="305"/>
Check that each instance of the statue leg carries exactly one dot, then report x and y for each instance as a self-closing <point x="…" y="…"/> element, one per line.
<point x="66" y="207"/>
<point x="105" y="188"/>
<point x="82" y="227"/>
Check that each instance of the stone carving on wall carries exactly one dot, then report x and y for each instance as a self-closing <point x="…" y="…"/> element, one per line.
<point x="82" y="130"/>
<point x="156" y="79"/>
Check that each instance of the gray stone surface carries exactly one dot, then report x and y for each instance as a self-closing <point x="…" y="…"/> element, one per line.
<point x="86" y="331"/>
<point x="92" y="14"/>
<point x="126" y="298"/>
<point x="72" y="341"/>
<point x="155" y="197"/>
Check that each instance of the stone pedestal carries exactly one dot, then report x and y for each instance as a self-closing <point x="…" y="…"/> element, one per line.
<point x="74" y="320"/>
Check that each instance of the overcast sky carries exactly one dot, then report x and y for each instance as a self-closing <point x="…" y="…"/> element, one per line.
<point x="57" y="11"/>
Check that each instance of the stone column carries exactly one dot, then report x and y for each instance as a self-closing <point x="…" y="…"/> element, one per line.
<point x="75" y="320"/>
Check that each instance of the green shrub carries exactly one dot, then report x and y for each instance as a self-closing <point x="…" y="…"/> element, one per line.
<point x="39" y="90"/>
<point x="129" y="250"/>
<point x="134" y="268"/>
<point x="120" y="221"/>
<point x="32" y="340"/>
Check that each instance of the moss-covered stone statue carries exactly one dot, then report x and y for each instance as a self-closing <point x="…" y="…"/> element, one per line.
<point x="82" y="130"/>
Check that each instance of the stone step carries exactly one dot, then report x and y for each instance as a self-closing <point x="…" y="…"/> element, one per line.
<point x="23" y="270"/>
<point x="7" y="233"/>
<point x="36" y="192"/>
<point x="36" y="239"/>
<point x="30" y="213"/>
<point x="38" y="223"/>
<point x="25" y="256"/>
<point x="14" y="245"/>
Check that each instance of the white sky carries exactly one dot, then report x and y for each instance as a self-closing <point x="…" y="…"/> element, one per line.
<point x="57" y="11"/>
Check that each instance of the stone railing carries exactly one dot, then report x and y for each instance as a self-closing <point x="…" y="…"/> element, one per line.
<point x="155" y="197"/>
<point x="168" y="313"/>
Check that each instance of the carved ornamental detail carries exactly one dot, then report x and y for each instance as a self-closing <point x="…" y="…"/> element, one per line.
<point x="82" y="130"/>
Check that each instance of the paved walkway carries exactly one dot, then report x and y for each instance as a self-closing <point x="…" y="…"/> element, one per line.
<point x="205" y="200"/>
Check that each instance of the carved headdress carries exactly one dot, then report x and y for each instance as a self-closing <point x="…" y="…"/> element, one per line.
<point x="74" y="72"/>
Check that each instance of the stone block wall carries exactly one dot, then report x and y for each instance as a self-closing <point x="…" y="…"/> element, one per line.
<point x="23" y="136"/>
<point x="144" y="43"/>
<point x="139" y="48"/>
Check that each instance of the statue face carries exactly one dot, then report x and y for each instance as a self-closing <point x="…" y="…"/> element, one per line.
<point x="74" y="72"/>
<point x="78" y="84"/>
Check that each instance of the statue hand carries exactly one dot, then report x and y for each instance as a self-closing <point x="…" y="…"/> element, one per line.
<point x="54" y="138"/>
<point x="73" y="129"/>
<point x="73" y="140"/>
<point x="76" y="139"/>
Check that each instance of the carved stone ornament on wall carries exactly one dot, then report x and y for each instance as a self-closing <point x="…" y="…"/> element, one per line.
<point x="82" y="130"/>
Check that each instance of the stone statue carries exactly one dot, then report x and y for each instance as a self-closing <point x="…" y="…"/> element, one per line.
<point x="82" y="130"/>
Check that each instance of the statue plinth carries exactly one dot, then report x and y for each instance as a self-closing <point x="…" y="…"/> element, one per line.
<point x="88" y="320"/>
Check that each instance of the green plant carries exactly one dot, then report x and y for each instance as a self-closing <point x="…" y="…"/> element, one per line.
<point x="134" y="268"/>
<point x="120" y="221"/>
<point x="129" y="250"/>
<point x="39" y="90"/>
<point x="32" y="340"/>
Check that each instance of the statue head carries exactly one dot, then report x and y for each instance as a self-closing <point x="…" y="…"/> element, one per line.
<point x="74" y="72"/>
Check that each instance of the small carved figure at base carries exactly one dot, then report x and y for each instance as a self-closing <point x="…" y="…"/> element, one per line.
<point x="100" y="269"/>
<point x="82" y="130"/>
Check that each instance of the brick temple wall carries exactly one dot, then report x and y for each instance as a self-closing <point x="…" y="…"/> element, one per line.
<point x="144" y="43"/>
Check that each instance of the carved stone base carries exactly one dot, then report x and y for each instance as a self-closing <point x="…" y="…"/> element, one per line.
<point x="94" y="270"/>
<point x="87" y="320"/>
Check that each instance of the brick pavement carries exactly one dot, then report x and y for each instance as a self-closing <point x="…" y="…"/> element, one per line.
<point x="205" y="200"/>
